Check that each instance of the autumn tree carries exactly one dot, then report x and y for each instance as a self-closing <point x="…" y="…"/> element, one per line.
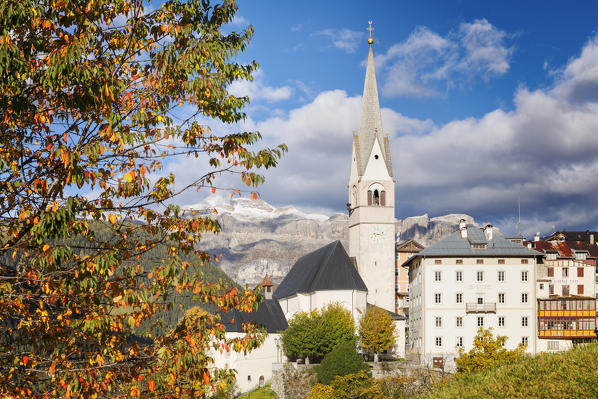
<point x="97" y="98"/>
<point x="487" y="351"/>
<point x="376" y="331"/>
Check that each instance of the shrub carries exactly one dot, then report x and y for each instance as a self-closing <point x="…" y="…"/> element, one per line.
<point x="486" y="352"/>
<point x="343" y="360"/>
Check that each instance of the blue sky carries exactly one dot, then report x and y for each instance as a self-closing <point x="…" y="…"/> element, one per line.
<point x="484" y="102"/>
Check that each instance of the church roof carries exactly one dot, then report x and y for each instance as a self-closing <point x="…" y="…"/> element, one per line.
<point x="393" y="315"/>
<point x="269" y="315"/>
<point x="370" y="124"/>
<point x="327" y="268"/>
<point x="267" y="282"/>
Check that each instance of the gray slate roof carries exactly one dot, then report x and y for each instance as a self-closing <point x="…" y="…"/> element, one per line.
<point x="327" y="268"/>
<point x="393" y="315"/>
<point x="455" y="245"/>
<point x="269" y="315"/>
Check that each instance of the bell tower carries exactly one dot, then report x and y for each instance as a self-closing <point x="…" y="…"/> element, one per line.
<point x="371" y="197"/>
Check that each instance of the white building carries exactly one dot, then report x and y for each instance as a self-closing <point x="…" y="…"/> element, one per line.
<point x="473" y="278"/>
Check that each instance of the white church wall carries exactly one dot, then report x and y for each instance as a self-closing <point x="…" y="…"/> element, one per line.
<point x="352" y="300"/>
<point x="252" y="365"/>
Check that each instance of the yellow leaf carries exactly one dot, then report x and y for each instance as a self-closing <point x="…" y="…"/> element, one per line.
<point x="46" y="247"/>
<point x="112" y="218"/>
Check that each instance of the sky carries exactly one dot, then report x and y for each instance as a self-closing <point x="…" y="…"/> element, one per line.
<point x="487" y="105"/>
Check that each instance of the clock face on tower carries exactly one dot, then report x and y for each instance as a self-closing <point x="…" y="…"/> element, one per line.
<point x="377" y="235"/>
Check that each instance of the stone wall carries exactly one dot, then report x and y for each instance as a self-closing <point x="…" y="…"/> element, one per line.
<point x="292" y="380"/>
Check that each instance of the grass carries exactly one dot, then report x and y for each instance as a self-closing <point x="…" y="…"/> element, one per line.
<point x="260" y="393"/>
<point x="570" y="374"/>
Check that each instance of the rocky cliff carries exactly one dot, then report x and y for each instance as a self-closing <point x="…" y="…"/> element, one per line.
<point x="257" y="238"/>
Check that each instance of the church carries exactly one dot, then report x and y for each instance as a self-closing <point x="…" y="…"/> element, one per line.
<point x="360" y="276"/>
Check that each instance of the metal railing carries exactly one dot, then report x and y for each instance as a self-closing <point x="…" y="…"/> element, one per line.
<point x="474" y="307"/>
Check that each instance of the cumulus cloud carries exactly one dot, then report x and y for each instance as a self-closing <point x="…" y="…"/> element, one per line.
<point x="344" y="39"/>
<point x="543" y="152"/>
<point x="427" y="63"/>
<point x="256" y="89"/>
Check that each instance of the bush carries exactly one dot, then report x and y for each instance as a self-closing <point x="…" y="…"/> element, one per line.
<point x="343" y="360"/>
<point x="315" y="334"/>
<point x="486" y="352"/>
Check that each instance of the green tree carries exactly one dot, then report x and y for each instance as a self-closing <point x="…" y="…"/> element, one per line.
<point x="486" y="352"/>
<point x="376" y="331"/>
<point x="343" y="360"/>
<point x="96" y="97"/>
<point x="313" y="335"/>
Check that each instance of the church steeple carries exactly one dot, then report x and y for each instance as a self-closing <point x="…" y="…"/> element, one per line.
<point x="370" y="124"/>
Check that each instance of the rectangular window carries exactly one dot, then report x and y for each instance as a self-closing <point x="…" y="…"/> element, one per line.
<point x="524" y="341"/>
<point x="459" y="321"/>
<point x="524" y="275"/>
<point x="459" y="261"/>
<point x="565" y="290"/>
<point x="551" y="272"/>
<point x="550" y="289"/>
<point x="459" y="276"/>
<point x="501" y="297"/>
<point x="438" y="261"/>
<point x="480" y="276"/>
<point x="501" y="321"/>
<point x="438" y="341"/>
<point x="459" y="343"/>
<point x="460" y="297"/>
<point x="480" y="299"/>
<point x="480" y="321"/>
<point x="553" y="345"/>
<point x="479" y="261"/>
<point x="501" y="275"/>
<point x="580" y="272"/>
<point x="369" y="197"/>
<point x="541" y="286"/>
<point x="524" y="261"/>
<point x="579" y="289"/>
<point x="437" y="276"/>
<point x="501" y="261"/>
<point x="524" y="297"/>
<point x="437" y="298"/>
<point x="524" y="321"/>
<point x="438" y="321"/>
<point x="565" y="272"/>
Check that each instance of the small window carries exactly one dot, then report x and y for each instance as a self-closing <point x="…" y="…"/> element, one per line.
<point x="480" y="276"/>
<point x="524" y="297"/>
<point x="437" y="298"/>
<point x="480" y="300"/>
<point x="565" y="290"/>
<point x="550" y="289"/>
<point x="501" y="261"/>
<point x="501" y="297"/>
<point x="438" y="341"/>
<point x="501" y="275"/>
<point x="459" y="321"/>
<point x="459" y="276"/>
<point x="501" y="321"/>
<point x="524" y="341"/>
<point x="438" y="261"/>
<point x="459" y="343"/>
<point x="541" y="286"/>
<point x="438" y="322"/>
<point x="524" y="261"/>
<point x="459" y="297"/>
<point x="479" y="261"/>
<point x="553" y="345"/>
<point x="580" y="272"/>
<point x="248" y="378"/>
<point x="524" y="276"/>
<point x="480" y="321"/>
<point x="524" y="321"/>
<point x="565" y="272"/>
<point x="459" y="261"/>
<point x="580" y="289"/>
<point x="551" y="272"/>
<point x="437" y="276"/>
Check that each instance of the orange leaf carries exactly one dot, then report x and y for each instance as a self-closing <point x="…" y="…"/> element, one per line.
<point x="206" y="378"/>
<point x="112" y="218"/>
<point x="213" y="190"/>
<point x="152" y="385"/>
<point x="25" y="360"/>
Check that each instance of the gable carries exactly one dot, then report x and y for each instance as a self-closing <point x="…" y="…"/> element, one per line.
<point x="376" y="167"/>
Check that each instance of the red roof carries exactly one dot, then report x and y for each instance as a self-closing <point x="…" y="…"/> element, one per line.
<point x="563" y="249"/>
<point x="267" y="282"/>
<point x="543" y="246"/>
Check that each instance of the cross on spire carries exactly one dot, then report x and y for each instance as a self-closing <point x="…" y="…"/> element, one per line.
<point x="370" y="40"/>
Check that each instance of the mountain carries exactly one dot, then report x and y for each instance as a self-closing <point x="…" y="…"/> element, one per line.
<point x="258" y="238"/>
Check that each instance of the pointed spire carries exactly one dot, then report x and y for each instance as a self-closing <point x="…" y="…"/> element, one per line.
<point x="370" y="125"/>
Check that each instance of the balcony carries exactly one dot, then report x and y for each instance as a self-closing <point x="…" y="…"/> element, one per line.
<point x="474" y="307"/>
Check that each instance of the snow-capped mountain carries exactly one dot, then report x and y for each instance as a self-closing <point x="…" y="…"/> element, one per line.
<point x="258" y="238"/>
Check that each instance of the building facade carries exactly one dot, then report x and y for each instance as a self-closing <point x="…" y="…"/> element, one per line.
<point x="473" y="278"/>
<point x="403" y="251"/>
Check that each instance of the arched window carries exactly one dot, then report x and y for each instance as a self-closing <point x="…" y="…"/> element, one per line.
<point x="376" y="197"/>
<point x="369" y="197"/>
<point x="383" y="198"/>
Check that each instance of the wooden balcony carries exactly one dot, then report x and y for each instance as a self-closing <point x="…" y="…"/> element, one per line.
<point x="474" y="307"/>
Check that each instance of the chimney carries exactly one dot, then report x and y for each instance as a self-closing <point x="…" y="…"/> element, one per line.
<point x="591" y="239"/>
<point x="463" y="228"/>
<point x="529" y="245"/>
<point x="488" y="231"/>
<point x="537" y="237"/>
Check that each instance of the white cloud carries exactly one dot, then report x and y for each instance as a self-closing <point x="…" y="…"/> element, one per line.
<point x="239" y="20"/>
<point x="296" y="28"/>
<point x="427" y="63"/>
<point x="257" y="90"/>
<point x="344" y="39"/>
